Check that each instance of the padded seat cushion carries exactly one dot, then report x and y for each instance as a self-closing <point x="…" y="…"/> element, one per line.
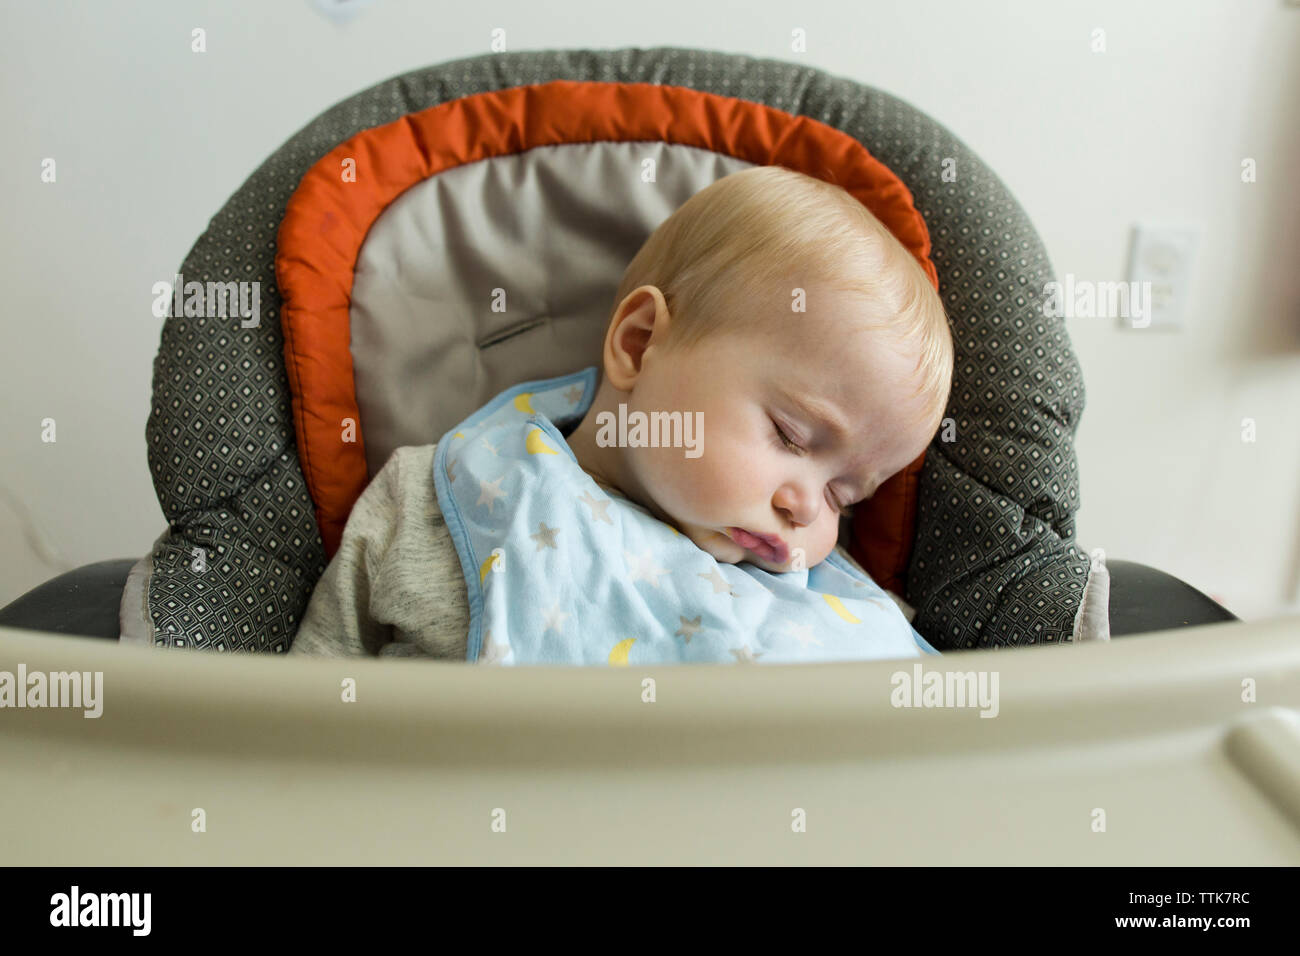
<point x="993" y="559"/>
<point x="429" y="264"/>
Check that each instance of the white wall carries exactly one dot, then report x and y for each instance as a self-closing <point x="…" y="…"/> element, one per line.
<point x="151" y="139"/>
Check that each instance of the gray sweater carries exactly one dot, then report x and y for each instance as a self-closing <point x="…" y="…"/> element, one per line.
<point x="395" y="587"/>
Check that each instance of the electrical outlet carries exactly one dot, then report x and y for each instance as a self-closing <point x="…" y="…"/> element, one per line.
<point x="1160" y="270"/>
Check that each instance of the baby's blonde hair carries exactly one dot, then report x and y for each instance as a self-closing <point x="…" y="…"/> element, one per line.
<point x="747" y="231"/>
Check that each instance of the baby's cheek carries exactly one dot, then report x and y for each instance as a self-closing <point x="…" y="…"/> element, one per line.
<point x="718" y="479"/>
<point x="683" y="486"/>
<point x="828" y="537"/>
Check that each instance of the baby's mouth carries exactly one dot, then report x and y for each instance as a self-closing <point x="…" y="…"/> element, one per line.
<point x="769" y="547"/>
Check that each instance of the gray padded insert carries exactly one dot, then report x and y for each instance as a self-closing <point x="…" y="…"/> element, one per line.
<point x="554" y="228"/>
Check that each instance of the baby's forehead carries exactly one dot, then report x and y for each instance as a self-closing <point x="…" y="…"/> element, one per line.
<point x="842" y="345"/>
<point x="866" y="378"/>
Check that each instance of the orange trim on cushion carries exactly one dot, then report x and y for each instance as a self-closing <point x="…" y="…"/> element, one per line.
<point x="888" y="521"/>
<point x="327" y="220"/>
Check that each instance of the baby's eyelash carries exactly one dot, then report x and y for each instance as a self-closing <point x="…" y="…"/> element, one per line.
<point x="784" y="438"/>
<point x="846" y="511"/>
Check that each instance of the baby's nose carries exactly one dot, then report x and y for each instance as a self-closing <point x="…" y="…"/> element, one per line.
<point x="799" y="509"/>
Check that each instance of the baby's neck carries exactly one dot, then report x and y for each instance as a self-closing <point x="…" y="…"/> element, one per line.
<point x="603" y="464"/>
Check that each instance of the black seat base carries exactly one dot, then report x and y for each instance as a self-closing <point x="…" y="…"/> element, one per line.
<point x="85" y="601"/>
<point x="1143" y="599"/>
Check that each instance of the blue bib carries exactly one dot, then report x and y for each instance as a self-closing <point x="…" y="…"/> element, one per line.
<point x="558" y="571"/>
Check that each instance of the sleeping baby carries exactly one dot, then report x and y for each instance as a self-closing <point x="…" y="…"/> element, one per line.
<point x="775" y="314"/>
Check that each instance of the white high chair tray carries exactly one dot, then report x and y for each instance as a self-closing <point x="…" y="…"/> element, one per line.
<point x="1148" y="737"/>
